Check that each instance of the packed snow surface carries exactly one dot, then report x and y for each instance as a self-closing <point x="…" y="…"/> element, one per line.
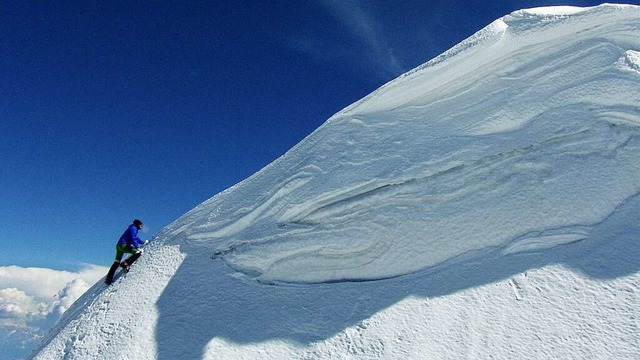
<point x="482" y="205"/>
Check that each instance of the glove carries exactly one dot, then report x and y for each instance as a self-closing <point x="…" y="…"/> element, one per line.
<point x="145" y="242"/>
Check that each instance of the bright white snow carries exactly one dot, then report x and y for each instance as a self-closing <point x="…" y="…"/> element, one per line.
<point x="482" y="205"/>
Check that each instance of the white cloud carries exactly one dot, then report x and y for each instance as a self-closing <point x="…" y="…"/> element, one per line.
<point x="363" y="27"/>
<point x="17" y="305"/>
<point x="360" y="43"/>
<point x="65" y="297"/>
<point x="32" y="299"/>
<point x="44" y="283"/>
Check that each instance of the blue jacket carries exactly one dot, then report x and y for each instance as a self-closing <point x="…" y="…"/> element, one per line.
<point x="130" y="237"/>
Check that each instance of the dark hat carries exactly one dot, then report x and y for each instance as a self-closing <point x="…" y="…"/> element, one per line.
<point x="137" y="222"/>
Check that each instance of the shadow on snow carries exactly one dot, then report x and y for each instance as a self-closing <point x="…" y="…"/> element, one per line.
<point x="243" y="311"/>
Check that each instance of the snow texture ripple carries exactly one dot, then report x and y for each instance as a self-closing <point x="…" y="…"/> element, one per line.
<point x="482" y="205"/>
<point x="481" y="148"/>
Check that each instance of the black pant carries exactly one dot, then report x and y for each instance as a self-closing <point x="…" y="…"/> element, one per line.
<point x="125" y="264"/>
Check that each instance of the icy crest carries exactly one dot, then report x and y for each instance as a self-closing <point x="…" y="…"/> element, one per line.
<point x="501" y="174"/>
<point x="477" y="150"/>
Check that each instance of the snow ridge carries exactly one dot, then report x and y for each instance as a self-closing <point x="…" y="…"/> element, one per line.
<point x="527" y="112"/>
<point x="502" y="174"/>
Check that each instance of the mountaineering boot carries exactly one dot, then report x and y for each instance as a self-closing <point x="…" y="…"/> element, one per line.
<point x="127" y="263"/>
<point x="112" y="272"/>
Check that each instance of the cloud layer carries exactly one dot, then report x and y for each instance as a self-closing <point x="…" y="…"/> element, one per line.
<point x="361" y="41"/>
<point x="33" y="299"/>
<point x="363" y="27"/>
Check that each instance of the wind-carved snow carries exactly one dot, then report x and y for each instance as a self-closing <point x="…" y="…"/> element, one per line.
<point x="425" y="171"/>
<point x="503" y="174"/>
<point x="630" y="61"/>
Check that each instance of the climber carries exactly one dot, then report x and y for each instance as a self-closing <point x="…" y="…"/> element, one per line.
<point x="128" y="243"/>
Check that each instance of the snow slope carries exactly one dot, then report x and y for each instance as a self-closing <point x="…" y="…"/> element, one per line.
<point x="482" y="205"/>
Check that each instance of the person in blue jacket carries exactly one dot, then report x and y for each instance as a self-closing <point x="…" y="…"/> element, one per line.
<point x="129" y="243"/>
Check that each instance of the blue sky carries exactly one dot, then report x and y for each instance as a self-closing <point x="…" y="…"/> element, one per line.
<point x="128" y="110"/>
